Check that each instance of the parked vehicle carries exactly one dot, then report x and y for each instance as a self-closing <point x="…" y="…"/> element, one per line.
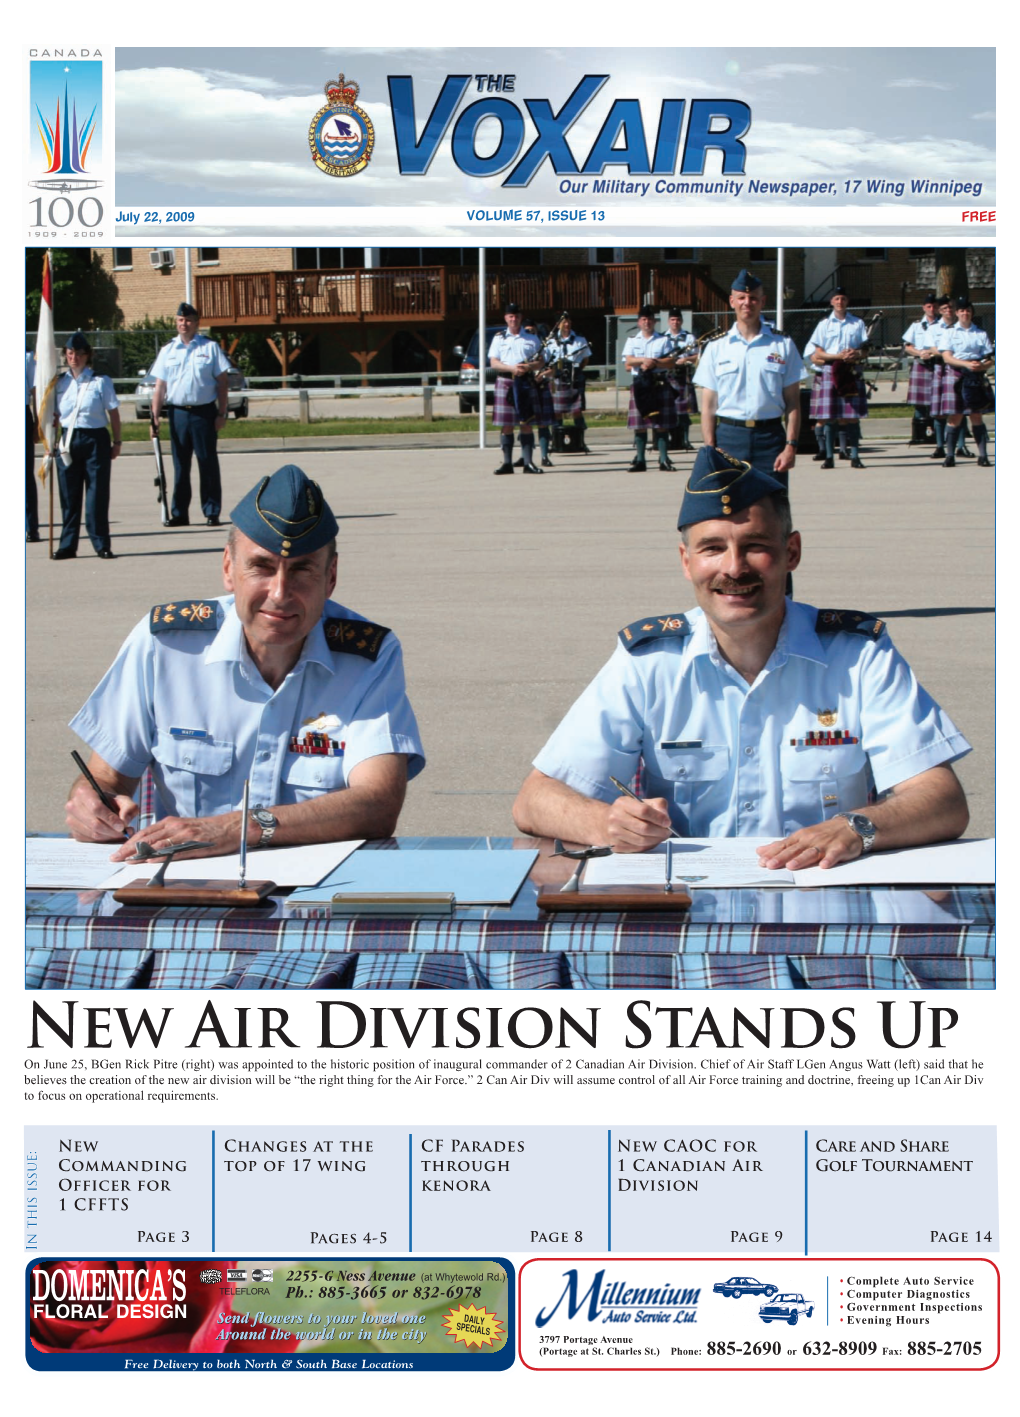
<point x="468" y="400"/>
<point x="743" y="1284"/>
<point x="786" y="1307"/>
<point x="237" y="394"/>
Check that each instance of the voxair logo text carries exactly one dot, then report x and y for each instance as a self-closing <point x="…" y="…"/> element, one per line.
<point x="621" y="1302"/>
<point x="684" y="133"/>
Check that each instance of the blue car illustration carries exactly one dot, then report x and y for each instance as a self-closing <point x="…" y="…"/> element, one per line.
<point x="788" y="1307"/>
<point x="743" y="1284"/>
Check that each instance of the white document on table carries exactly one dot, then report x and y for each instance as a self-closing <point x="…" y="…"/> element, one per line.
<point x="286" y="865"/>
<point x="58" y="863"/>
<point x="948" y="863"/>
<point x="711" y="863"/>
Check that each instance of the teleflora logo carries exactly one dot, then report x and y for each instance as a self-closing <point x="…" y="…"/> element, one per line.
<point x="620" y="1302"/>
<point x="488" y="133"/>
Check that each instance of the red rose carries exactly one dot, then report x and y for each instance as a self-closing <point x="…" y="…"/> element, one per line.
<point x="199" y="1330"/>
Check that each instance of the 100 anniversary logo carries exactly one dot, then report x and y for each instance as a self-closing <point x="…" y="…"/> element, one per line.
<point x="341" y="136"/>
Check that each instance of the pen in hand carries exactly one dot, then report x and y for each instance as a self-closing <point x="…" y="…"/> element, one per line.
<point x="104" y="797"/>
<point x="621" y="787"/>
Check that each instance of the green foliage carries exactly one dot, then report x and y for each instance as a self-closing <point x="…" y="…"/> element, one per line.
<point x="84" y="294"/>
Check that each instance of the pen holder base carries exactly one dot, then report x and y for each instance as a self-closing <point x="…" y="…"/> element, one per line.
<point x="197" y="892"/>
<point x="627" y="898"/>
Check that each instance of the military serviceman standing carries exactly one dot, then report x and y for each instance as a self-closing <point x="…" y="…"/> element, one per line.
<point x="750" y="379"/>
<point x="919" y="342"/>
<point x="516" y="355"/>
<point x="191" y="383"/>
<point x="647" y="355"/>
<point x="839" y="397"/>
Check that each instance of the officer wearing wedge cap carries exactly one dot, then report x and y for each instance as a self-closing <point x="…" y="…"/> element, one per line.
<point x="273" y="682"/>
<point x="191" y="384"/>
<point x="752" y="715"/>
<point x="751" y="381"/>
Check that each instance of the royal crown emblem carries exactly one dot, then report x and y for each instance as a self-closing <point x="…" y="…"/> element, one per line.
<point x="341" y="136"/>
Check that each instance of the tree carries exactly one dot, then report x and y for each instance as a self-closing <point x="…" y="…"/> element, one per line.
<point x="84" y="294"/>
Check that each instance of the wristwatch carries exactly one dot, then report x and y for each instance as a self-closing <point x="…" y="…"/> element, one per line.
<point x="864" y="827"/>
<point x="265" y="820"/>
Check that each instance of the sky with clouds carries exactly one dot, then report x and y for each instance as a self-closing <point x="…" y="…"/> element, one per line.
<point x="228" y="127"/>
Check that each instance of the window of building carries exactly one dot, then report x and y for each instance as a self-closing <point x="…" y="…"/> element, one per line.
<point x="873" y="253"/>
<point x="762" y="255"/>
<point x="328" y="258"/>
<point x="122" y="258"/>
<point x="679" y="253"/>
<point x="605" y="255"/>
<point x="208" y="255"/>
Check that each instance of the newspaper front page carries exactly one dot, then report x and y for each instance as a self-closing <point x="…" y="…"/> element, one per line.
<point x="490" y="1137"/>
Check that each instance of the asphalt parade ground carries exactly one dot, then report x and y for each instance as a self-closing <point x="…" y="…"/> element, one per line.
<point x="507" y="593"/>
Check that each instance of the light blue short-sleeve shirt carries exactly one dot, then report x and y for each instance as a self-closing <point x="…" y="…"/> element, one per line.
<point x="965" y="344"/>
<point x="87" y="398"/>
<point x="749" y="376"/>
<point x="192" y="705"/>
<point x="653" y="346"/>
<point x="514" y="349"/>
<point x="730" y="758"/>
<point x="190" y="370"/>
<point x="834" y="336"/>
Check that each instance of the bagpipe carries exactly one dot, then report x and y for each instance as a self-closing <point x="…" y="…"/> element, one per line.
<point x="651" y="392"/>
<point x="683" y="373"/>
<point x="524" y="397"/>
<point x="562" y="370"/>
<point x="844" y="371"/>
<point x="977" y="392"/>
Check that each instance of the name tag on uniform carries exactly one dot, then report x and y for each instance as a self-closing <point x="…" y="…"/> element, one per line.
<point x="681" y="743"/>
<point x="725" y="366"/>
<point x="189" y="733"/>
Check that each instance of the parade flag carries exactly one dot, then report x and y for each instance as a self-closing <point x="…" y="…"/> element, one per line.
<point x="46" y="370"/>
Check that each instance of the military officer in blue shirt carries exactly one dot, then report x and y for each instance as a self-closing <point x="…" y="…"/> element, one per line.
<point x="752" y="715"/>
<point x="273" y="682"/>
<point x="191" y="383"/>
<point x="968" y="354"/>
<point x="648" y="354"/>
<point x="516" y="355"/>
<point x="839" y="340"/>
<point x="751" y="380"/>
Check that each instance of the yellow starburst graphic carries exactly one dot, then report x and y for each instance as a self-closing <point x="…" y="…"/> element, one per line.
<point x="470" y="1325"/>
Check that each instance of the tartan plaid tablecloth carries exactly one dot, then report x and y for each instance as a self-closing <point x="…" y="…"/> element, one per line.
<point x="832" y="939"/>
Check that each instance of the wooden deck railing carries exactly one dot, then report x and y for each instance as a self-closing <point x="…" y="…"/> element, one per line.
<point x="429" y="293"/>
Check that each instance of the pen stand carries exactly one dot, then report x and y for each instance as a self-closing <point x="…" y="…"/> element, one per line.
<point x="628" y="898"/>
<point x="201" y="891"/>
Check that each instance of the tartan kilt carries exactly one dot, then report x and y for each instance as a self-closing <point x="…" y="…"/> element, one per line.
<point x="826" y="404"/>
<point x="666" y="418"/>
<point x="567" y="402"/>
<point x="503" y="411"/>
<point x="920" y="387"/>
<point x="950" y="396"/>
<point x="682" y="402"/>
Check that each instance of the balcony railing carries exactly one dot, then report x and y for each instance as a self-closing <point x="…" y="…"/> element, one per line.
<point x="433" y="293"/>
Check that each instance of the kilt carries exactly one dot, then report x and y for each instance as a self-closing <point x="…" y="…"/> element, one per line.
<point x="920" y="386"/>
<point x="503" y="411"/>
<point x="826" y="404"/>
<point x="682" y="401"/>
<point x="666" y="418"/>
<point x="568" y="401"/>
<point x="949" y="399"/>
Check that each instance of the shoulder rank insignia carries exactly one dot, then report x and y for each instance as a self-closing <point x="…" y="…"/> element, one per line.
<point x="184" y="615"/>
<point x="355" y="637"/>
<point x="856" y="622"/>
<point x="654" y="628"/>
